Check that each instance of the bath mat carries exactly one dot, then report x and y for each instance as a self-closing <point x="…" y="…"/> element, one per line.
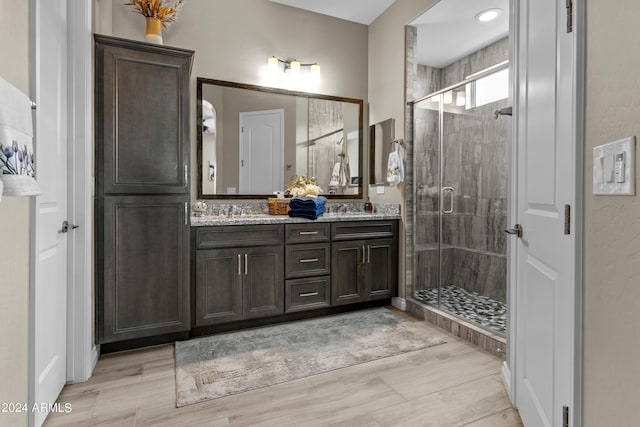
<point x="222" y="365"/>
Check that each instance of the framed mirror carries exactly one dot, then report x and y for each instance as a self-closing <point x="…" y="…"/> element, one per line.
<point x="381" y="140"/>
<point x="253" y="140"/>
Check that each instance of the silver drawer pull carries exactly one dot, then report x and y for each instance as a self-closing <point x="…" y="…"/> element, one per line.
<point x="308" y="294"/>
<point x="308" y="233"/>
<point x="308" y="260"/>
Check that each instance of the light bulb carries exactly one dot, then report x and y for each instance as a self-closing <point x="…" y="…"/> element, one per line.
<point x="295" y="68"/>
<point x="315" y="71"/>
<point x="272" y="64"/>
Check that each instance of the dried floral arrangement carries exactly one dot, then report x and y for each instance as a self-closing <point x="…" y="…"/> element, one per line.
<point x="163" y="10"/>
<point x="303" y="187"/>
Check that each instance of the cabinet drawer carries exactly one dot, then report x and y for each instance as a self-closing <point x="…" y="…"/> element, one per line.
<point x="238" y="235"/>
<point x="363" y="230"/>
<point x="307" y="233"/>
<point x="307" y="260"/>
<point x="307" y="294"/>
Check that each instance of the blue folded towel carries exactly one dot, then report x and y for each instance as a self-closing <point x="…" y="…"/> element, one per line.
<point x="313" y="214"/>
<point x="307" y="203"/>
<point x="307" y="207"/>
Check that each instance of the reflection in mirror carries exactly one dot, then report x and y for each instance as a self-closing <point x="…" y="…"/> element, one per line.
<point x="254" y="140"/>
<point x="381" y="137"/>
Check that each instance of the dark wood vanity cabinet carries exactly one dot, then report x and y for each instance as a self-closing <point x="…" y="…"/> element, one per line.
<point x="245" y="272"/>
<point x="143" y="266"/>
<point x="142" y="189"/>
<point x="364" y="269"/>
<point x="238" y="282"/>
<point x="142" y="117"/>
<point x="307" y="266"/>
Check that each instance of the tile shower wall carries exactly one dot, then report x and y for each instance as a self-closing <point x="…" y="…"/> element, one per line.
<point x="475" y="164"/>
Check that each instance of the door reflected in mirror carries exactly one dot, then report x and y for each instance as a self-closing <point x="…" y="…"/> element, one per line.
<point x="253" y="141"/>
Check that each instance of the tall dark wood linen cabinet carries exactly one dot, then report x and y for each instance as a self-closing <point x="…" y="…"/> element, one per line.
<point x="142" y="189"/>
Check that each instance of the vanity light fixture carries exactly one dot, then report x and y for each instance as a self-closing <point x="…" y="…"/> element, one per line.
<point x="488" y="15"/>
<point x="292" y="66"/>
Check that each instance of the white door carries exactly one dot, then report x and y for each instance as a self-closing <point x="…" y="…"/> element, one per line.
<point x="546" y="182"/>
<point x="49" y="269"/>
<point x="261" y="151"/>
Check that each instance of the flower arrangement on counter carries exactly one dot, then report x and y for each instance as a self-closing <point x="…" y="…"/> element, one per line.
<point x="164" y="11"/>
<point x="303" y="187"/>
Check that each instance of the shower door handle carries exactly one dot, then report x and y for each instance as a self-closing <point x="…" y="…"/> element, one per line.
<point x="444" y="191"/>
<point x="516" y="230"/>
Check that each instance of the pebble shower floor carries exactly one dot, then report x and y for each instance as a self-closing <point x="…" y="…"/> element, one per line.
<point x="476" y="308"/>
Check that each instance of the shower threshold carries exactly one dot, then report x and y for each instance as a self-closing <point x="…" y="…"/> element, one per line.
<point x="470" y="306"/>
<point x="469" y="331"/>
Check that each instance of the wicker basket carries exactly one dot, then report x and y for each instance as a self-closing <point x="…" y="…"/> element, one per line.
<point x="278" y="206"/>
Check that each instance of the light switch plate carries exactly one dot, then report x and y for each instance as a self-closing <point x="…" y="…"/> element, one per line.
<point x="380" y="189"/>
<point x="605" y="179"/>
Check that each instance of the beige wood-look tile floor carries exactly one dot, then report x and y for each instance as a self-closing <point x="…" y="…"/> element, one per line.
<point x="453" y="384"/>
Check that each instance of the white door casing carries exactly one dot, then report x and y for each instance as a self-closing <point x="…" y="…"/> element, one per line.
<point x="546" y="153"/>
<point x="261" y="151"/>
<point x="48" y="295"/>
<point x="82" y="353"/>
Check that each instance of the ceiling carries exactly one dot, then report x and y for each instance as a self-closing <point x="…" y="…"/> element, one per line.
<point x="446" y="32"/>
<point x="360" y="11"/>
<point x="449" y="31"/>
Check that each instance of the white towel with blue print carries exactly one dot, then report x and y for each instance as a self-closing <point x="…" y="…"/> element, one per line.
<point x="395" y="169"/>
<point x="17" y="166"/>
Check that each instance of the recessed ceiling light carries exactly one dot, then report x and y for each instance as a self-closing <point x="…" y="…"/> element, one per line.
<point x="488" y="15"/>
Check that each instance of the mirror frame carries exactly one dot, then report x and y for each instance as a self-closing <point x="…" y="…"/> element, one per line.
<point x="202" y="80"/>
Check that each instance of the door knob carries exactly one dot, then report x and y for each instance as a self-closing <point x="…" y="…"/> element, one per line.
<point x="66" y="227"/>
<point x="517" y="230"/>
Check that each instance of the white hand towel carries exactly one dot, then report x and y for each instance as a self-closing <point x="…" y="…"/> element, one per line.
<point x="17" y="167"/>
<point x="335" y="175"/>
<point x="209" y="126"/>
<point x="395" y="169"/>
<point x="208" y="112"/>
<point x="345" y="177"/>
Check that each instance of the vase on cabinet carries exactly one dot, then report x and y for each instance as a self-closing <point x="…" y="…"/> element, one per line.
<point x="153" y="32"/>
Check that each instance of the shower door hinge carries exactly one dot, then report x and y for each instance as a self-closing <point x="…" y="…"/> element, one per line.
<point x="567" y="219"/>
<point x="565" y="416"/>
<point x="569" y="16"/>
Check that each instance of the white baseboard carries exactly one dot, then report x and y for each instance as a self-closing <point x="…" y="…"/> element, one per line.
<point x="506" y="380"/>
<point x="95" y="354"/>
<point x="399" y="303"/>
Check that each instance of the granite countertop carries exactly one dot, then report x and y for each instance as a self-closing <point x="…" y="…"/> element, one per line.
<point x="212" y="220"/>
<point x="257" y="213"/>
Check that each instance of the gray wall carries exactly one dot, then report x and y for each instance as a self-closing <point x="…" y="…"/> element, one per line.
<point x="612" y="224"/>
<point x="14" y="246"/>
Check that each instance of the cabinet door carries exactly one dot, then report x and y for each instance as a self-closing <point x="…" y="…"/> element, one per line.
<point x="218" y="286"/>
<point x="347" y="267"/>
<point x="143" y="272"/>
<point x="263" y="281"/>
<point x="142" y="118"/>
<point x="382" y="269"/>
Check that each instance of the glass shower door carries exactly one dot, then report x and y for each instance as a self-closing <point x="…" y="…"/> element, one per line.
<point x="473" y="209"/>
